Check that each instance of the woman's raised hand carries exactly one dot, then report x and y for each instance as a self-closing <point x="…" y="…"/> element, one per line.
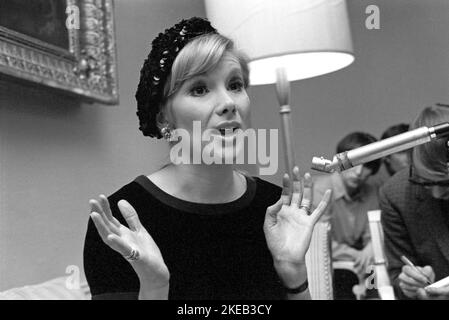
<point x="134" y="243"/>
<point x="289" y="224"/>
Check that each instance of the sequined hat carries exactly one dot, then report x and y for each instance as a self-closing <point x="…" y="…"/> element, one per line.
<point x="157" y="67"/>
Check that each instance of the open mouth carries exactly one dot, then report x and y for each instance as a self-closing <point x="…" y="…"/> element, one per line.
<point x="227" y="131"/>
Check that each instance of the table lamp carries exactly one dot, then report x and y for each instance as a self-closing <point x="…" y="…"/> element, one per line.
<point x="286" y="40"/>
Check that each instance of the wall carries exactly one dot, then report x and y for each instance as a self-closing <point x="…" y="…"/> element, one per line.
<point x="397" y="71"/>
<point x="56" y="154"/>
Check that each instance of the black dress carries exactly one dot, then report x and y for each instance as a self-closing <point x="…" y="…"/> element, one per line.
<point x="213" y="251"/>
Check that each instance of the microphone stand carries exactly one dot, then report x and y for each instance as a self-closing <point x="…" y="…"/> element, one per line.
<point x="384" y="287"/>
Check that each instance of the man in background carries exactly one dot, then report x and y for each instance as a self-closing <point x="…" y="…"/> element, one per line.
<point x="397" y="161"/>
<point x="415" y="215"/>
<point x="352" y="197"/>
<point x="394" y="162"/>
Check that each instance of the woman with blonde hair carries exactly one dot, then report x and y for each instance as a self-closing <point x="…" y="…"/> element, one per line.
<point x="199" y="231"/>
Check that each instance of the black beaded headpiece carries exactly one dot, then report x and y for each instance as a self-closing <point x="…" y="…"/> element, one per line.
<point x="157" y="67"/>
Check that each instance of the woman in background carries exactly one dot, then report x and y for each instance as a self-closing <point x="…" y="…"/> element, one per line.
<point x="199" y="231"/>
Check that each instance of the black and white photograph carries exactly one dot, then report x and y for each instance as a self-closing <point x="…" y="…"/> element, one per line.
<point x="224" y="155"/>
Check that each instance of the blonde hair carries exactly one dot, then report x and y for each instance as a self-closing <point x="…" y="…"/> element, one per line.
<point x="432" y="156"/>
<point x="199" y="56"/>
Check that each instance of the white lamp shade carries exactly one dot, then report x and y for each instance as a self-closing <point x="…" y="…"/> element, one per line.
<point x="306" y="37"/>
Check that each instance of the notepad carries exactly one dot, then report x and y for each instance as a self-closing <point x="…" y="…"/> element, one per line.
<point x="442" y="283"/>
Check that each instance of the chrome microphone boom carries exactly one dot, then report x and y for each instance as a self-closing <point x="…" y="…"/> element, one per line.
<point x="379" y="149"/>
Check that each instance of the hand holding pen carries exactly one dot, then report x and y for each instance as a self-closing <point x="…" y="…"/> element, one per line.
<point x="413" y="280"/>
<point x="424" y="278"/>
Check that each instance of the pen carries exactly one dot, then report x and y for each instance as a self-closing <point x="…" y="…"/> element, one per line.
<point x="409" y="263"/>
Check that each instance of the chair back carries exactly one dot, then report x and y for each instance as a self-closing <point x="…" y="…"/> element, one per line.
<point x="318" y="261"/>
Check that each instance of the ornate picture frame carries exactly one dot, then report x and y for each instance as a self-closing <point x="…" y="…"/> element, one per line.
<point x="73" y="51"/>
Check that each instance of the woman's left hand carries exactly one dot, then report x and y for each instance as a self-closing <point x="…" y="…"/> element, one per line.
<point x="289" y="224"/>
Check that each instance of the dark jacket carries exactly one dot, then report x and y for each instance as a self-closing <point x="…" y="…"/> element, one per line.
<point x="415" y="225"/>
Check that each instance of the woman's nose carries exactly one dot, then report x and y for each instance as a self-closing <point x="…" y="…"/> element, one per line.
<point x="226" y="104"/>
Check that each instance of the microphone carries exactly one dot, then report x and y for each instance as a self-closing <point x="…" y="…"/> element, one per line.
<point x="379" y="149"/>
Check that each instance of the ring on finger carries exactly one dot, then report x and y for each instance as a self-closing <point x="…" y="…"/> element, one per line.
<point x="306" y="208"/>
<point x="133" y="256"/>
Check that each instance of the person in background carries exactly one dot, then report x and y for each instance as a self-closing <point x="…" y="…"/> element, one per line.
<point x="397" y="161"/>
<point x="199" y="231"/>
<point x="352" y="197"/>
<point x="394" y="162"/>
<point x="415" y="215"/>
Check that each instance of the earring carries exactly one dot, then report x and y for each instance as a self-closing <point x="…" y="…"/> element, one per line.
<point x="166" y="132"/>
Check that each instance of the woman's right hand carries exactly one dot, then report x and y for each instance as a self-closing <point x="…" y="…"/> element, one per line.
<point x="150" y="266"/>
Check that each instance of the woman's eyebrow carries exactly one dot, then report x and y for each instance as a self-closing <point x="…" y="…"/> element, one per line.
<point x="195" y="80"/>
<point x="235" y="72"/>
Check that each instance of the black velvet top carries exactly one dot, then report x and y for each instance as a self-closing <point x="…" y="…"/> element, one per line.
<point x="213" y="251"/>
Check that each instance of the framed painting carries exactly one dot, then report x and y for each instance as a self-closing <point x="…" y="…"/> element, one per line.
<point x="65" y="45"/>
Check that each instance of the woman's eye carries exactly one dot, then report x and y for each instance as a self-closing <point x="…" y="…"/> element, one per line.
<point x="236" y="85"/>
<point x="198" y="91"/>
